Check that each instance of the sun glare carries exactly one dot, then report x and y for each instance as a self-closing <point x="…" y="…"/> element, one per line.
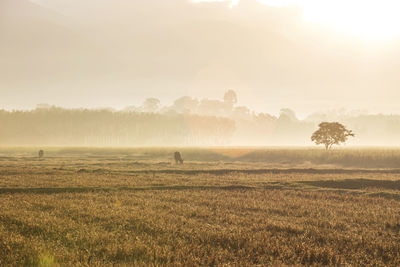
<point x="368" y="19"/>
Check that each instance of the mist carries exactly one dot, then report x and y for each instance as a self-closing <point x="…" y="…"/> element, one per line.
<point x="188" y="121"/>
<point x="93" y="54"/>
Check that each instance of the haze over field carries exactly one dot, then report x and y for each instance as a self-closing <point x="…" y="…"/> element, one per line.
<point x="199" y="133"/>
<point x="306" y="55"/>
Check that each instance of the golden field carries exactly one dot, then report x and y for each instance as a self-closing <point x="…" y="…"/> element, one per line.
<point x="223" y="207"/>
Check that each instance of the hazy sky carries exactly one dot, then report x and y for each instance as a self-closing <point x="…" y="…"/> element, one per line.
<point x="307" y="55"/>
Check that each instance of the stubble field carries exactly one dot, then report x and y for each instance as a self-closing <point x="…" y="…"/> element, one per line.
<point x="121" y="207"/>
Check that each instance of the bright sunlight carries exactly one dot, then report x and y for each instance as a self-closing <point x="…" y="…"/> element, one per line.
<point x="367" y="19"/>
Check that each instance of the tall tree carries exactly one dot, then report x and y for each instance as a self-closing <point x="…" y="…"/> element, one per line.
<point x="230" y="97"/>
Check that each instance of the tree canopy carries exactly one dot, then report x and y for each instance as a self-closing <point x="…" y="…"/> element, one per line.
<point x="331" y="133"/>
<point x="230" y="97"/>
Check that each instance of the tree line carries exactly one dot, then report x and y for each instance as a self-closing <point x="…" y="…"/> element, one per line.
<point x="83" y="127"/>
<point x="188" y="122"/>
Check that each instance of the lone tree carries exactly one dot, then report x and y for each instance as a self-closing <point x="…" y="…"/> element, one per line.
<point x="331" y="133"/>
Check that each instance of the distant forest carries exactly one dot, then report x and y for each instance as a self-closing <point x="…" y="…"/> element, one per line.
<point x="188" y="122"/>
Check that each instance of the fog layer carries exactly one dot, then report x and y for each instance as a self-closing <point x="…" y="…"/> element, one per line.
<point x="96" y="53"/>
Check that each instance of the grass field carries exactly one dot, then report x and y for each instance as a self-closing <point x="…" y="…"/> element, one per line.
<point x="223" y="207"/>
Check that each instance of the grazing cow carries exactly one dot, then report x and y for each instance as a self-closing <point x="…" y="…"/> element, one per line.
<point x="41" y="153"/>
<point x="178" y="157"/>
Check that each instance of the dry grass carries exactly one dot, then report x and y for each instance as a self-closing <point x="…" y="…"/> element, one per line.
<point x="109" y="210"/>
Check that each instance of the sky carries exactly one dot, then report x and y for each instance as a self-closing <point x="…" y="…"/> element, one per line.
<point x="305" y="55"/>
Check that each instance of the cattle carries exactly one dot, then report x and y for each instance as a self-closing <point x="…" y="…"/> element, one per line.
<point x="178" y="158"/>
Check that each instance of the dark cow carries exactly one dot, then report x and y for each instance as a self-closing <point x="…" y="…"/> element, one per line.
<point x="41" y="153"/>
<point x="178" y="157"/>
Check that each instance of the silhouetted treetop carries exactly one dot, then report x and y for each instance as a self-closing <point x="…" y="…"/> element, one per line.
<point x="151" y="105"/>
<point x="230" y="97"/>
